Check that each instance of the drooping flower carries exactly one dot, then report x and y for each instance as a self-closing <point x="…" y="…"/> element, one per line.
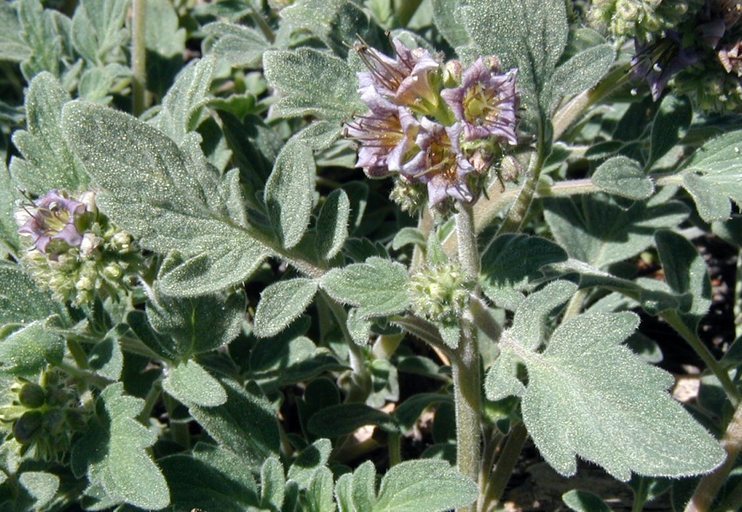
<point x="486" y="102"/>
<point x="658" y="62"/>
<point x="53" y="217"/>
<point x="386" y="133"/>
<point x="406" y="80"/>
<point x="440" y="163"/>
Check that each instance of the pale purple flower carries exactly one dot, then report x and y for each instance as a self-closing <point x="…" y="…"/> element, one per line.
<point x="486" y="102"/>
<point x="440" y="163"/>
<point x="404" y="79"/>
<point x="52" y="217"/>
<point x="658" y="62"/>
<point x="386" y="134"/>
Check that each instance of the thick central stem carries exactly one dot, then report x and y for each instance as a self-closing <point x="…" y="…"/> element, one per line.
<point x="467" y="385"/>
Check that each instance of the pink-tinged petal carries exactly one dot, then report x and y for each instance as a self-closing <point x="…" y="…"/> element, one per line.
<point x="52" y="217"/>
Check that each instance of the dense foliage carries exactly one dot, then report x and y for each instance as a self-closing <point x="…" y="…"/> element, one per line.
<point x="356" y="255"/>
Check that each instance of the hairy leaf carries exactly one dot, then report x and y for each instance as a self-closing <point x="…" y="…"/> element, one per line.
<point x="169" y="199"/>
<point x="583" y="501"/>
<point x="189" y="383"/>
<point x="578" y="74"/>
<point x="339" y="420"/>
<point x="447" y="21"/>
<point x="377" y="287"/>
<point x="21" y="300"/>
<point x="98" y="31"/>
<point x="281" y="303"/>
<point x="238" y="45"/>
<point x="309" y="460"/>
<point x="623" y="177"/>
<point x="29" y="349"/>
<point x="272" y="483"/>
<point x="48" y="161"/>
<point x="670" y="125"/>
<point x="332" y="224"/>
<point x="12" y="46"/>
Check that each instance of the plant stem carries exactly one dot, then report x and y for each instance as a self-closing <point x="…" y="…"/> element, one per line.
<point x="178" y="428"/>
<point x="710" y="484"/>
<point x="465" y="363"/>
<point x="395" y="449"/>
<point x="138" y="57"/>
<point x="361" y="378"/>
<point x="406" y="9"/>
<point x="575" y="305"/>
<point x="673" y="318"/>
<point x="262" y="25"/>
<point x="89" y="377"/>
<point x="505" y="464"/>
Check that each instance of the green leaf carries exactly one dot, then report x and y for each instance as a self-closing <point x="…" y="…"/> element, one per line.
<point x="686" y="273"/>
<point x="363" y="486"/>
<point x="10" y="241"/>
<point x="211" y="478"/>
<point x="21" y="301"/>
<point x="511" y="262"/>
<point x="184" y="101"/>
<point x="623" y="177"/>
<point x="339" y="420"/>
<point x="289" y="192"/>
<point x="47" y="161"/>
<point x="430" y="485"/>
<point x="12" y="46"/>
<point x="597" y="230"/>
<point x="447" y="21"/>
<point x="189" y="383"/>
<point x="526" y="34"/>
<point x="169" y="199"/>
<point x="30" y="348"/>
<point x="114" y="452"/>
<point x="670" y="125"/>
<point x="377" y="287"/>
<point x="589" y="396"/>
<point x="332" y="224"/>
<point x="272" y="483"/>
<point x="337" y="23"/>
<point x="713" y="175"/>
<point x="246" y="424"/>
<point x="41" y="486"/>
<point x="319" y="494"/>
<point x="583" y="501"/>
<point x="98" y="32"/>
<point x="410" y="410"/>
<point x="342" y="493"/>
<point x="165" y="43"/>
<point x="236" y="44"/>
<point x="295" y="75"/>
<point x="309" y="460"/>
<point x="195" y="324"/>
<point x="408" y="236"/>
<point x="106" y="357"/>
<point x="578" y="74"/>
<point x="281" y="303"/>
<point x="40" y="33"/>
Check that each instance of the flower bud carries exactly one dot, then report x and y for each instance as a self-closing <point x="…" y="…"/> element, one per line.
<point x="28" y="426"/>
<point x="440" y="293"/>
<point x="32" y="395"/>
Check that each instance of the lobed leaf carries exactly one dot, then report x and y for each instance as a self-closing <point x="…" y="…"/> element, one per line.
<point x="236" y="44"/>
<point x="623" y="177"/>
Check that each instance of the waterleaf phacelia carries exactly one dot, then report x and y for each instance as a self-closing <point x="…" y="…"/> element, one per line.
<point x="432" y="124"/>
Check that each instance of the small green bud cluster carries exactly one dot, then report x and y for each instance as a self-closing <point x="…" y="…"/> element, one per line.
<point x="409" y="195"/>
<point x="711" y="88"/>
<point x="638" y="19"/>
<point x="440" y="293"/>
<point x="43" y="418"/>
<point x="100" y="259"/>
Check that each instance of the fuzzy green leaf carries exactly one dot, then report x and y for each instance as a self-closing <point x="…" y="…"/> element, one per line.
<point x="272" y="483"/>
<point x="195" y="324"/>
<point x="670" y="125"/>
<point x="713" y="176"/>
<point x="165" y="43"/>
<point x="40" y="33"/>
<point x="583" y="501"/>
<point x="211" y="478"/>
<point x="12" y="46"/>
<point x="588" y="395"/>
<point x="410" y="410"/>
<point x="447" y="21"/>
<point x="106" y="357"/>
<point x="526" y="34"/>
<point x="182" y="105"/>
<point x="597" y="230"/>
<point x="289" y="192"/>
<point x="377" y="287"/>
<point x="29" y="349"/>
<point x="339" y="420"/>
<point x="21" y="300"/>
<point x="430" y="485"/>
<point x="246" y="424"/>
<point x="281" y="303"/>
<point x="408" y="236"/>
<point x="98" y="31"/>
<point x="319" y="493"/>
<point x="332" y="224"/>
<point x="40" y="485"/>
<point x="10" y="241"/>
<point x="296" y="74"/>
<point x="309" y="460"/>
<point x="48" y="161"/>
<point x="363" y="486"/>
<point x="623" y="177"/>
<point x="170" y="199"/>
<point x="342" y="493"/>
<point x="578" y="74"/>
<point x="114" y="452"/>
<point x="189" y="383"/>
<point x="236" y="44"/>
<point x="511" y="262"/>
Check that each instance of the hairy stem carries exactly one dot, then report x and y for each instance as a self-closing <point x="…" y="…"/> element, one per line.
<point x="710" y="484"/>
<point x="673" y="318"/>
<point x="178" y="428"/>
<point x="138" y="57"/>
<point x="465" y="363"/>
<point x="500" y="475"/>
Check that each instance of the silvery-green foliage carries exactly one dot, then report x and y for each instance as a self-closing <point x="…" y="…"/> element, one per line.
<point x="623" y="177"/>
<point x="589" y="396"/>
<point x="238" y="45"/>
<point x="281" y="303"/>
<point x="98" y="32"/>
<point x="13" y="48"/>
